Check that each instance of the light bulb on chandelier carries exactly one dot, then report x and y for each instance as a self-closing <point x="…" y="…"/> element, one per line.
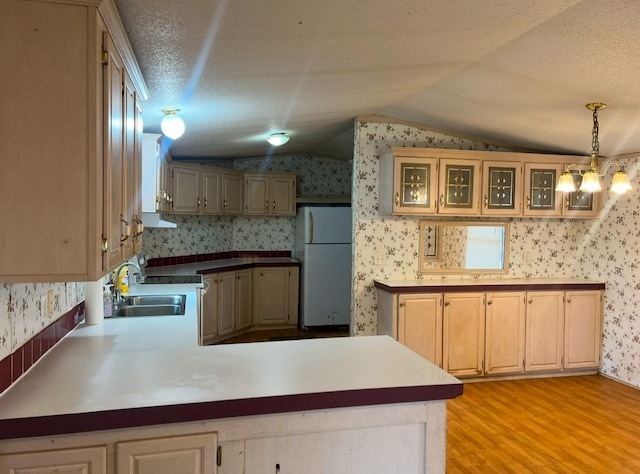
<point x="590" y="179"/>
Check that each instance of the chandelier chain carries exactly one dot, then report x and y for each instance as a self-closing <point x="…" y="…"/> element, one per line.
<point x="595" y="146"/>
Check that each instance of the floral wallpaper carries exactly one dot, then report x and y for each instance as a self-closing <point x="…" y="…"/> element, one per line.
<point x="209" y="234"/>
<point x="21" y="315"/>
<point x="605" y="249"/>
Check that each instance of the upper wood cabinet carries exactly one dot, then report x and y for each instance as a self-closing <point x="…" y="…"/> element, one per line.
<point x="501" y="188"/>
<point x="205" y="190"/>
<point x="271" y="194"/>
<point x="428" y="181"/>
<point x="458" y="188"/>
<point x="411" y="184"/>
<point x="64" y="199"/>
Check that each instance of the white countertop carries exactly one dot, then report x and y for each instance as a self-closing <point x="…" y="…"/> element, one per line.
<point x="471" y="282"/>
<point x="139" y="362"/>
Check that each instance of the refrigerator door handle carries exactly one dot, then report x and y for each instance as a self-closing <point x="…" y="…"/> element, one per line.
<point x="310" y="227"/>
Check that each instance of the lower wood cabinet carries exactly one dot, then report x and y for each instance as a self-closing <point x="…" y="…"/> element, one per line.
<point x="544" y="331"/>
<point x="472" y="334"/>
<point x="188" y="454"/>
<point x="68" y="461"/>
<point x="420" y="325"/>
<point x="275" y="295"/>
<point x="240" y="300"/>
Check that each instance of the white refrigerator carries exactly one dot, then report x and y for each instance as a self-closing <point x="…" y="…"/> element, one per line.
<point x="323" y="246"/>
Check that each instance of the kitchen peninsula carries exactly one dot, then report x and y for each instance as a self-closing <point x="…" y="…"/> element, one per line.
<point x="144" y="383"/>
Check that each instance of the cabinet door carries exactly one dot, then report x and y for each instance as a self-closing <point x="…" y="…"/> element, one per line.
<point x="505" y="326"/>
<point x="271" y="295"/>
<point x="188" y="454"/>
<point x="579" y="203"/>
<point x="501" y="188"/>
<point x="582" y="329"/>
<point x="463" y="334"/>
<point x="68" y="461"/>
<point x="420" y="325"/>
<point x="186" y="190"/>
<point x="113" y="218"/>
<point x="129" y="188"/>
<point x="283" y="195"/>
<point x="541" y="197"/>
<point x="244" y="303"/>
<point x="232" y="193"/>
<point x="544" y="330"/>
<point x="137" y="185"/>
<point x="414" y="185"/>
<point x="209" y="324"/>
<point x="211" y="192"/>
<point x="459" y="186"/>
<point x="256" y="195"/>
<point x="226" y="302"/>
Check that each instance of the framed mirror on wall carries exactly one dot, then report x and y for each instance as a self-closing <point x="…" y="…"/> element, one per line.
<point x="463" y="247"/>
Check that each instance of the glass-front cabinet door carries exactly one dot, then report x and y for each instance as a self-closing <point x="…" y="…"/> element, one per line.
<point x="580" y="203"/>
<point x="459" y="191"/>
<point x="415" y="185"/>
<point x="541" y="197"/>
<point x="501" y="188"/>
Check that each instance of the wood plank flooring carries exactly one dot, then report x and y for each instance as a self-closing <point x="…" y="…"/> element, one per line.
<point x="585" y="424"/>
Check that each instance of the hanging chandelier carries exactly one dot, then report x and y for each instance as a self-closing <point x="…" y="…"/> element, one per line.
<point x="591" y="178"/>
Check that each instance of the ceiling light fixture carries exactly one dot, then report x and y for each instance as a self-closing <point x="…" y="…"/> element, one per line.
<point x="172" y="126"/>
<point x="277" y="139"/>
<point x="591" y="178"/>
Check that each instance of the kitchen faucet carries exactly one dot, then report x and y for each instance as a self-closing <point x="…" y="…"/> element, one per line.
<point x="116" y="278"/>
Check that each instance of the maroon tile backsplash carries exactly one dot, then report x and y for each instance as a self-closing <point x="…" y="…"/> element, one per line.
<point x="22" y="359"/>
<point x="184" y="259"/>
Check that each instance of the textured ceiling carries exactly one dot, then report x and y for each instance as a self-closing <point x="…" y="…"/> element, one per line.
<point x="517" y="72"/>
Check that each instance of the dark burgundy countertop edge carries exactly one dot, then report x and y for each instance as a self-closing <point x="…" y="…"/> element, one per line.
<point x="158" y="415"/>
<point x="241" y="266"/>
<point x="430" y="288"/>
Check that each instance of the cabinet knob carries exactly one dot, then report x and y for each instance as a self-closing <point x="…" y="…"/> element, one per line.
<point x="441" y="200"/>
<point x="489" y="302"/>
<point x="266" y="205"/>
<point x="274" y="204"/>
<point x="205" y="203"/>
<point x="530" y="301"/>
<point x="198" y="203"/>
<point x="446" y="303"/>
<point x="401" y="305"/>
<point x="397" y="199"/>
<point x="225" y="203"/>
<point x="569" y="300"/>
<point x="486" y="201"/>
<point x="528" y="202"/>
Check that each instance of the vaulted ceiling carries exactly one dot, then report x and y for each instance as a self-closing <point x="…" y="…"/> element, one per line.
<point x="516" y="72"/>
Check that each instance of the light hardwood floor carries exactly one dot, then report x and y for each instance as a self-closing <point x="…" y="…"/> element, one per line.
<point x="585" y="424"/>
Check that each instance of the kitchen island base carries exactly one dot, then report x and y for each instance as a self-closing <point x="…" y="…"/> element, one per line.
<point x="407" y="438"/>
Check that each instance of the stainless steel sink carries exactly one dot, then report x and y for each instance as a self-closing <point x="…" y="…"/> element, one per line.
<point x="151" y="305"/>
<point x="154" y="300"/>
<point x="150" y="310"/>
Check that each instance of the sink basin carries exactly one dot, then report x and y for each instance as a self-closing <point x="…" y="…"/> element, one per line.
<point x="139" y="300"/>
<point x="150" y="310"/>
<point x="151" y="305"/>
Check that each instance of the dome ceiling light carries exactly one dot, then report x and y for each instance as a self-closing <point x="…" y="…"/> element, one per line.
<point x="589" y="180"/>
<point x="277" y="139"/>
<point x="172" y="126"/>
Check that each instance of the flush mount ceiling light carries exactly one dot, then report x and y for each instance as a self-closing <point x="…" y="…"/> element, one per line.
<point x="591" y="178"/>
<point x="172" y="126"/>
<point x="277" y="139"/>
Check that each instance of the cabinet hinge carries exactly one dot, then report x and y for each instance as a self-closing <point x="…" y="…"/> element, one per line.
<point x="105" y="56"/>
<point x="219" y="456"/>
